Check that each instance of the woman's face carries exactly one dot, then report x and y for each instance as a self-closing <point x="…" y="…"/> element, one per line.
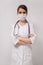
<point x="22" y="14"/>
<point x="20" y="11"/>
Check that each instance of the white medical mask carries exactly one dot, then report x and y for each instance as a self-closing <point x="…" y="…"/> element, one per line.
<point x="21" y="16"/>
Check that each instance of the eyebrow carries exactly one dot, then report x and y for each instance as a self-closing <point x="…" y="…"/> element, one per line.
<point x="22" y="12"/>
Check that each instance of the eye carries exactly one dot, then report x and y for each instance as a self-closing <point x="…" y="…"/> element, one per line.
<point x="24" y="12"/>
<point x="20" y="12"/>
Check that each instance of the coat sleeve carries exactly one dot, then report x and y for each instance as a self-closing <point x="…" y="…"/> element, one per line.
<point x="14" y="33"/>
<point x="32" y="33"/>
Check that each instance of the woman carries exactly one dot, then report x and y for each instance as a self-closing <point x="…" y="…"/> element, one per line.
<point x="23" y="37"/>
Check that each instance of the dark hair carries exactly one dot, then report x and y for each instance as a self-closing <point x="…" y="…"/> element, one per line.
<point x="23" y="7"/>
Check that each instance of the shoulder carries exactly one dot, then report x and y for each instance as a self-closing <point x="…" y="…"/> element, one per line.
<point x="30" y="23"/>
<point x="12" y="26"/>
<point x="31" y="26"/>
<point x="15" y="25"/>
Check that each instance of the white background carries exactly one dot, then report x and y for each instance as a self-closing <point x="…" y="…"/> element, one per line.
<point x="8" y="17"/>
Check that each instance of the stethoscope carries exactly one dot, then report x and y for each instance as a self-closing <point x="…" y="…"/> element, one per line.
<point x="19" y="27"/>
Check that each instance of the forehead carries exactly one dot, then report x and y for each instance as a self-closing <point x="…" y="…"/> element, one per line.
<point x="21" y="10"/>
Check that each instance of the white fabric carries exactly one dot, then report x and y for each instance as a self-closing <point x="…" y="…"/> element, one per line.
<point x="21" y="16"/>
<point x="13" y="37"/>
<point x="32" y="32"/>
<point x="22" y="55"/>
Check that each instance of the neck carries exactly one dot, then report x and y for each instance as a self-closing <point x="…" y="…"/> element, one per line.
<point x="24" y="21"/>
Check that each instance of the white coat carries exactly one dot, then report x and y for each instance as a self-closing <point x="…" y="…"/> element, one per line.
<point x="22" y="55"/>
